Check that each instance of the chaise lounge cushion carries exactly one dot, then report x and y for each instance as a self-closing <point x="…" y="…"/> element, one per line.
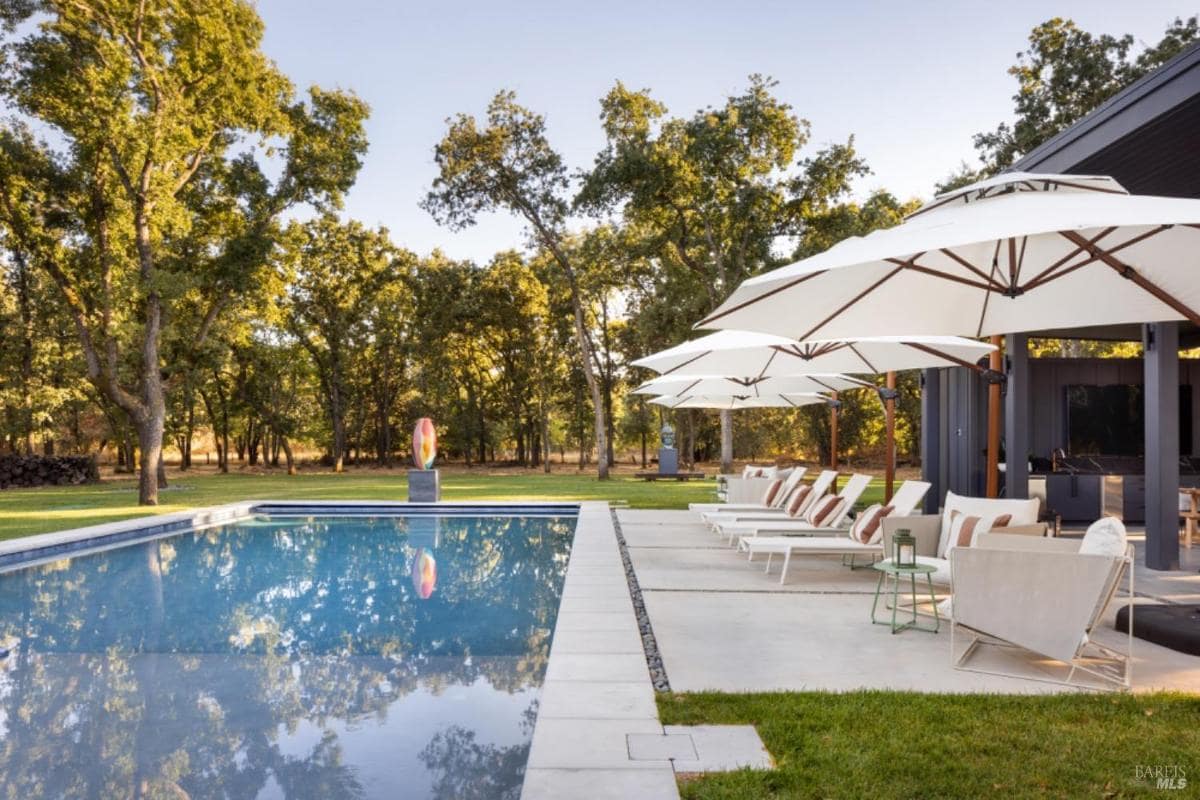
<point x="867" y="528"/>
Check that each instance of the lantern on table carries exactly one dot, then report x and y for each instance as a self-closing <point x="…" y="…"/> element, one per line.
<point x="904" y="549"/>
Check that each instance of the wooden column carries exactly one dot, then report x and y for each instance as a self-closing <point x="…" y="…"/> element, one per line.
<point x="889" y="408"/>
<point x="995" y="361"/>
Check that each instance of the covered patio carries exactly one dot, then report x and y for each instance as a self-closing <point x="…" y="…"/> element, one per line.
<point x="1144" y="137"/>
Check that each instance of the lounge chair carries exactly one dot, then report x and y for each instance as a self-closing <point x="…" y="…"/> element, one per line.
<point x="902" y="504"/>
<point x="932" y="540"/>
<point x="724" y="513"/>
<point x="1045" y="596"/>
<point x="825" y="514"/>
<point x="750" y="485"/>
<point x="790" y="480"/>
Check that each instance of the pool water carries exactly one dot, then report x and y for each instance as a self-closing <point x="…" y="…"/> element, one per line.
<point x="277" y="657"/>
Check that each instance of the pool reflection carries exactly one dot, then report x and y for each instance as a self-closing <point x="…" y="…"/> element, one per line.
<point x="283" y="658"/>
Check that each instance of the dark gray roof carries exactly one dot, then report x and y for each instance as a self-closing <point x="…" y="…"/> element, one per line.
<point x="1147" y="136"/>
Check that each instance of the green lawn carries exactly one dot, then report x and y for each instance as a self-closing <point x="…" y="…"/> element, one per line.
<point x="28" y="511"/>
<point x="24" y="512"/>
<point x="901" y="745"/>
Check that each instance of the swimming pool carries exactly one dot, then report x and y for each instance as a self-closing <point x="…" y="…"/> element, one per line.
<point x="289" y="654"/>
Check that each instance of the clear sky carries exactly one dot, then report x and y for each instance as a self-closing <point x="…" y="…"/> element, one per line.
<point x="912" y="81"/>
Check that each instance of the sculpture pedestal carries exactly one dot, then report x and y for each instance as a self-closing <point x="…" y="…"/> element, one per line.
<point x="424" y="486"/>
<point x="668" y="461"/>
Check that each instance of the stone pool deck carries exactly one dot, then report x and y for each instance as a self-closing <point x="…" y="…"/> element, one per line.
<point x="722" y="624"/>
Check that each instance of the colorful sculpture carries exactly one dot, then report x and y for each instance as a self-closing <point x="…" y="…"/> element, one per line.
<point x="424" y="443"/>
<point x="424" y="573"/>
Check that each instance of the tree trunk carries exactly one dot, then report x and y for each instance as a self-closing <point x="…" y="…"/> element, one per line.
<point x="150" y="433"/>
<point x="726" y="441"/>
<point x="545" y="443"/>
<point x="287" y="452"/>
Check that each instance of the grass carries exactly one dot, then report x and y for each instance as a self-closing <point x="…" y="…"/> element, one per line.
<point x="901" y="744"/>
<point x="24" y="512"/>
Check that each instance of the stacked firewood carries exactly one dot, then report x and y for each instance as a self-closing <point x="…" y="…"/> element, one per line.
<point x="21" y="471"/>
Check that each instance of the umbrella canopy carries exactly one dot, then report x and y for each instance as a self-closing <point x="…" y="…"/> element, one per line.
<point x="1018" y="252"/>
<point x="754" y="355"/>
<point x="735" y="402"/>
<point x="715" y="385"/>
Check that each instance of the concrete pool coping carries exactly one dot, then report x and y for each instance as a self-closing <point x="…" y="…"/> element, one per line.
<point x="597" y="691"/>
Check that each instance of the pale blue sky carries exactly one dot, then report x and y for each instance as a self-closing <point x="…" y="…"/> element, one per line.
<point x="913" y="81"/>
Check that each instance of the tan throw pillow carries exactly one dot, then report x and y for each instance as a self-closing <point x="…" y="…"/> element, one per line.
<point x="772" y="491"/>
<point x="824" y="511"/>
<point x="796" y="501"/>
<point x="867" y="528"/>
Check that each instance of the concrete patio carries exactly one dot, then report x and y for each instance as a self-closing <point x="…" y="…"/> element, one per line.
<point x="722" y="624"/>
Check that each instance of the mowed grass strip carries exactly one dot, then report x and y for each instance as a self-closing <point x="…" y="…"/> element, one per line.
<point x="907" y="745"/>
<point x="25" y="512"/>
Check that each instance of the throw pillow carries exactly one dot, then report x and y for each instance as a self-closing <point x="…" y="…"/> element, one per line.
<point x="867" y="528"/>
<point x="797" y="500"/>
<point x="822" y="513"/>
<point x="1106" y="537"/>
<point x="772" y="491"/>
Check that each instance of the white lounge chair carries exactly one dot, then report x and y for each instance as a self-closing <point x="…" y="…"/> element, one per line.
<point x="817" y="489"/>
<point x="903" y="503"/>
<point x="789" y="482"/>
<point x="1045" y="596"/>
<point x="819" y="518"/>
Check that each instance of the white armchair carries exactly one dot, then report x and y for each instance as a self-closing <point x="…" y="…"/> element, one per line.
<point x="1044" y="596"/>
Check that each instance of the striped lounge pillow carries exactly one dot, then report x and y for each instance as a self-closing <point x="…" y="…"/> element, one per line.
<point x="823" y="512"/>
<point x="867" y="528"/>
<point x="798" y="500"/>
<point x="964" y="529"/>
<point x="772" y="491"/>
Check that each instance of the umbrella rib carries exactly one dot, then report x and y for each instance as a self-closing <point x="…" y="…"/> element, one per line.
<point x="968" y="265"/>
<point x="1046" y="278"/>
<point x="762" y="296"/>
<point x="770" y="358"/>
<point x="946" y="276"/>
<point x="933" y="351"/>
<point x="689" y="361"/>
<point x="1037" y="279"/>
<point x="987" y="296"/>
<point x="1127" y="271"/>
<point x="854" y="300"/>
<point x="862" y="358"/>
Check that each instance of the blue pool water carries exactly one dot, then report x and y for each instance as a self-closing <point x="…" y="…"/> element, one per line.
<point x="277" y="657"/>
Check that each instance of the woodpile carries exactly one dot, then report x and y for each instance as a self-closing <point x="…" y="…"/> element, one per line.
<point x="25" y="471"/>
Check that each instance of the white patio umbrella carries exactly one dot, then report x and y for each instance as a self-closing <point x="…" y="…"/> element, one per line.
<point x="1014" y="253"/>
<point x="731" y="402"/>
<point x="717" y="385"/>
<point x="755" y="355"/>
<point x="763" y="354"/>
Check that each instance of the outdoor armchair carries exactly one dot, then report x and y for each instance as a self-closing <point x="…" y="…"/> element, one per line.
<point x="1044" y="596"/>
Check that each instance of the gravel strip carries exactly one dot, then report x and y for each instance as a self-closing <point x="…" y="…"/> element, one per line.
<point x="658" y="673"/>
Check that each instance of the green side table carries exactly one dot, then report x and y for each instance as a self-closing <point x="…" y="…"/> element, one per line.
<point x="897" y="574"/>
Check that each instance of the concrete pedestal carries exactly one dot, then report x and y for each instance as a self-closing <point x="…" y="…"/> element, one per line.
<point x="424" y="486"/>
<point x="668" y="461"/>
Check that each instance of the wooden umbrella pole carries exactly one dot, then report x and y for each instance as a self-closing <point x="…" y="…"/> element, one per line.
<point x="889" y="407"/>
<point x="993" y="433"/>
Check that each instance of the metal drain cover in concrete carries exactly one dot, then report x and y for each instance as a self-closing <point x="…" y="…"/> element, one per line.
<point x="703" y="748"/>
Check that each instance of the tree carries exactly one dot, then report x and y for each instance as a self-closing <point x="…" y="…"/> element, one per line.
<point x="335" y="273"/>
<point x="147" y="98"/>
<point x="1066" y="73"/>
<point x="712" y="193"/>
<point x="509" y="165"/>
